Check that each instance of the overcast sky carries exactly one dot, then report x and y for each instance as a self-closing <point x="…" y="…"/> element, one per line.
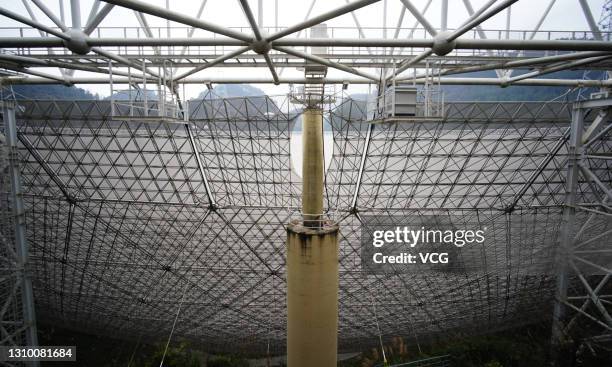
<point x="566" y="15"/>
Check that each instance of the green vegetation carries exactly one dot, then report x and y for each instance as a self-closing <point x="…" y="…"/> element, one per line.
<point x="227" y="361"/>
<point x="51" y="91"/>
<point x="525" y="347"/>
<point x="182" y="354"/>
<point x="178" y="355"/>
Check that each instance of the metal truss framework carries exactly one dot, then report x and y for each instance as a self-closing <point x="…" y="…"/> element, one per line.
<point x="17" y="316"/>
<point x="580" y="255"/>
<point x="363" y="55"/>
<point x="126" y="216"/>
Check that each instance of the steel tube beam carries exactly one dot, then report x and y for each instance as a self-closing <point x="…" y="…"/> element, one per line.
<point x="444" y="15"/>
<point x="408" y="63"/>
<point x="424" y="22"/>
<point x="251" y="18"/>
<point x="322" y="61"/>
<point x="321" y="18"/>
<point x="594" y="297"/>
<point x="607" y="157"/>
<point x="415" y="24"/>
<point x="585" y="304"/>
<point x="302" y="80"/>
<point x="596" y="266"/>
<point x="589" y="174"/>
<point x="75" y="13"/>
<point x="400" y="20"/>
<point x="146" y="29"/>
<point x="542" y="18"/>
<point x="31" y="23"/>
<point x="98" y="18"/>
<point x="180" y="18"/>
<point x="461" y="44"/>
<point x="599" y="135"/>
<point x="93" y="11"/>
<point x="532" y="45"/>
<point x="21" y="245"/>
<point x="214" y="62"/>
<point x="589" y="316"/>
<point x="567" y="228"/>
<point x="42" y="34"/>
<point x="271" y="68"/>
<point x="32" y="42"/>
<point x="198" y="15"/>
<point x="258" y="35"/>
<point x="601" y="118"/>
<point x="54" y="78"/>
<point x="362" y="163"/>
<point x="554" y="68"/>
<point x="209" y="194"/>
<point x="512" y="64"/>
<point x="475" y="22"/>
<point x="508" y="21"/>
<point x="590" y="20"/>
<point x="62" y="12"/>
<point x="191" y="32"/>
<point x="358" y="25"/>
<point x="32" y="15"/>
<point x="550" y="59"/>
<point x="312" y="4"/>
<point x="121" y="60"/>
<point x="474" y="15"/>
<point x="594" y="103"/>
<point x="22" y="61"/>
<point x="58" y="22"/>
<point x="462" y="65"/>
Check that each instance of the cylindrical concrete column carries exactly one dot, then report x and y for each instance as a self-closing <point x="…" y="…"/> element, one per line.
<point x="312" y="166"/>
<point x="312" y="295"/>
<point x="312" y="262"/>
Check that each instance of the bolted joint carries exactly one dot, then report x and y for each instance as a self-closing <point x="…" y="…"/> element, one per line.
<point x="442" y="46"/>
<point x="72" y="200"/>
<point x="77" y="41"/>
<point x="261" y="47"/>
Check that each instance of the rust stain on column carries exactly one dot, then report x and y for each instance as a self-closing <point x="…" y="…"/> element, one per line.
<point x="312" y="295"/>
<point x="312" y="263"/>
<point x="312" y="166"/>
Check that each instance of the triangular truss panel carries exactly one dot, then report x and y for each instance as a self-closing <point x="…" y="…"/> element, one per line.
<point x="123" y="219"/>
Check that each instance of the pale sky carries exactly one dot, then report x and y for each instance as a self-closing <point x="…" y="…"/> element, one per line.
<point x="565" y="16"/>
